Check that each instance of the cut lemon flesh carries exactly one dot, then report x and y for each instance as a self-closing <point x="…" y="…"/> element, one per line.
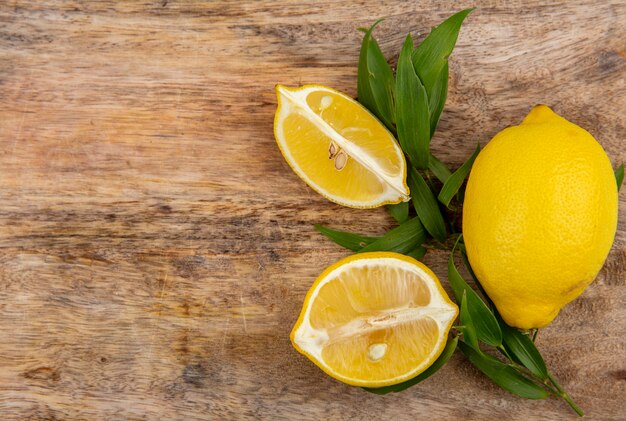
<point x="374" y="319"/>
<point x="338" y="148"/>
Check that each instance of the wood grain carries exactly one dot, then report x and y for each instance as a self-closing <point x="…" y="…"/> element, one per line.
<point x="155" y="249"/>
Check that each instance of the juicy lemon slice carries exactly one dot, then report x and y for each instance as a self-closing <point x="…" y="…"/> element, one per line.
<point x="338" y="148"/>
<point x="374" y="319"/>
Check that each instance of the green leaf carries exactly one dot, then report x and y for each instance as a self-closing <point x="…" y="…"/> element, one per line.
<point x="503" y="375"/>
<point x="375" y="82"/>
<point x="485" y="323"/>
<point x="399" y="211"/>
<point x="619" y="176"/>
<point x="457" y="283"/>
<point x="469" y="330"/>
<point x="454" y="183"/>
<point x="439" y="362"/>
<point x="426" y="206"/>
<point x="437" y="99"/>
<point x="439" y="169"/>
<point x="345" y="239"/>
<point x="417" y="253"/>
<point x="521" y="347"/>
<point x="402" y="239"/>
<point x="412" y="114"/>
<point x="431" y="56"/>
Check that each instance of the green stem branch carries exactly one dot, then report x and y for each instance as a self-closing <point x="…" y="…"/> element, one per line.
<point x="563" y="394"/>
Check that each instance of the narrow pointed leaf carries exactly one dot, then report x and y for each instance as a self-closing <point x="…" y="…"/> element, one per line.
<point x="619" y="176"/>
<point x="454" y="183"/>
<point x="426" y="206"/>
<point x="439" y="362"/>
<point x="402" y="239"/>
<point x="503" y="375"/>
<point x="432" y="54"/>
<point x="412" y="114"/>
<point x="375" y="82"/>
<point x="399" y="211"/>
<point x="437" y="98"/>
<point x="439" y="169"/>
<point x="469" y="330"/>
<point x="524" y="350"/>
<point x="346" y="239"/>
<point x="485" y="323"/>
<point x="457" y="283"/>
<point x="417" y="253"/>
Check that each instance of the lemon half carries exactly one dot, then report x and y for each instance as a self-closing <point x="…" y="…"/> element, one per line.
<point x="374" y="319"/>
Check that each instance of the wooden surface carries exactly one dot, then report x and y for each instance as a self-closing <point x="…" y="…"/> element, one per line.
<point x="155" y="248"/>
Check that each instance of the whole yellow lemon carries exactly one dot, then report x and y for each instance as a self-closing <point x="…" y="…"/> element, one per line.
<point x="539" y="217"/>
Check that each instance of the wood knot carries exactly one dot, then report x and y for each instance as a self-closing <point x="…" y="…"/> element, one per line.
<point x="43" y="373"/>
<point x="194" y="374"/>
<point x="165" y="208"/>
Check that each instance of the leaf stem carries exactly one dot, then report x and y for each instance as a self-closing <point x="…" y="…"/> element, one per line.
<point x="524" y="371"/>
<point x="531" y="376"/>
<point x="563" y="394"/>
<point x="550" y="388"/>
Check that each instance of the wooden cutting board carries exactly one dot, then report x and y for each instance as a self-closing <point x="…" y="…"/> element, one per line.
<point x="155" y="249"/>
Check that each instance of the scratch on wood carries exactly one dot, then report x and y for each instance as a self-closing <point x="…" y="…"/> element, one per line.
<point x="18" y="132"/>
<point x="225" y="335"/>
<point x="163" y="285"/>
<point x="243" y="313"/>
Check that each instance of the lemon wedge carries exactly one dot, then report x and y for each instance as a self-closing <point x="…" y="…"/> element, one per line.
<point x="339" y="148"/>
